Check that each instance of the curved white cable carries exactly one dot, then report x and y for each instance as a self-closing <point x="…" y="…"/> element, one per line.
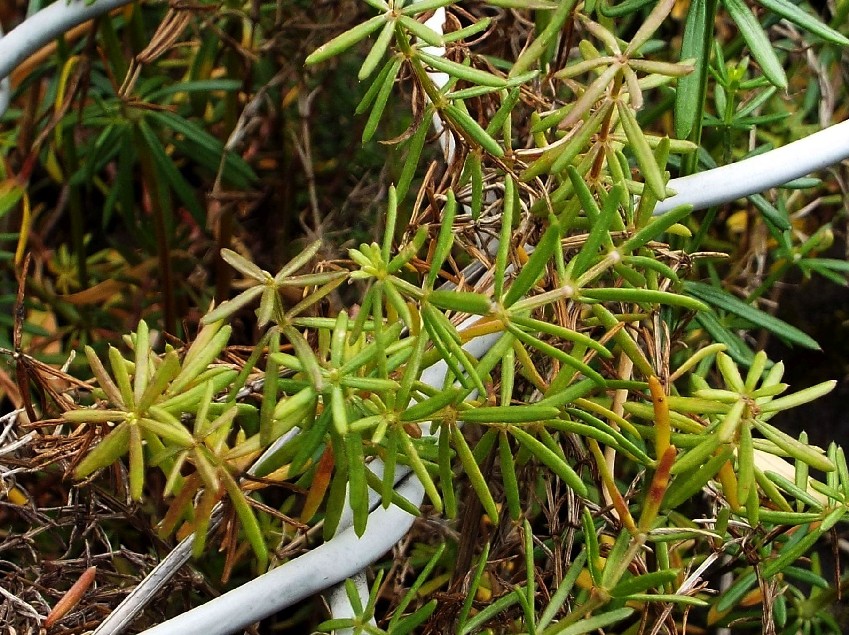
<point x="124" y="614"/>
<point x="339" y="604"/>
<point x="311" y="573"/>
<point x="756" y="174"/>
<point x="5" y="87"/>
<point x="46" y="25"/>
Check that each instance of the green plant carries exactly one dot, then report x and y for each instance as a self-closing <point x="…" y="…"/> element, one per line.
<point x="611" y="447"/>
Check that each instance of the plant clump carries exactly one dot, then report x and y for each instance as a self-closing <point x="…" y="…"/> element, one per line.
<point x="567" y="374"/>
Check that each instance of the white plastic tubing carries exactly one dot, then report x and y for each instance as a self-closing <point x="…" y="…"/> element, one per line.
<point x="346" y="555"/>
<point x="47" y="25"/>
<point x="761" y="172"/>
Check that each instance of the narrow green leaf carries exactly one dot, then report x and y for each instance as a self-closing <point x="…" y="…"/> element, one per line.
<point x="418" y="466"/>
<point x="730" y="373"/>
<point x="167" y="371"/>
<point x="122" y="395"/>
<point x="745" y="463"/>
<point x="473" y="164"/>
<point x="113" y="446"/>
<point x="552" y="29"/>
<point x="167" y="427"/>
<point x="696" y="456"/>
<point x="461" y="301"/>
<point x="638" y="144"/>
<point x="472" y="130"/>
<point x="461" y="71"/>
<point x="424" y="409"/>
<point x="795" y="491"/>
<point x="736" y="591"/>
<point x="653" y="230"/>
<point x="377" y="51"/>
<point x="758" y="42"/>
<point x="649" y="296"/>
<point x="504" y="111"/>
<point x="168" y="170"/>
<point x="550" y="459"/>
<point x="563" y="590"/>
<point x="789" y="518"/>
<point x="792" y="13"/>
<point x="357" y="487"/>
<point x="473" y="472"/>
<point x="142" y="352"/>
<point x="556" y="353"/>
<point x="508" y="414"/>
<point x="735" y="346"/>
<point x="593" y="92"/>
<point x="269" y="394"/>
<point x="600" y="230"/>
<point x="423" y="6"/>
<point x="642" y="583"/>
<point x="792" y="552"/>
<point x="535" y="266"/>
<point x="250" y="526"/>
<point x="508" y="476"/>
<point x="410" y="622"/>
<point x="338" y="410"/>
<point x="809" y="454"/>
<point x="421" y="31"/>
<point x="799" y="398"/>
<point x="686" y="600"/>
<point x="590" y="624"/>
<point x="591" y="546"/>
<point x="229" y="307"/>
<point x="474" y="585"/>
<point x="370" y="95"/>
<point x="306" y="356"/>
<point x="562" y="332"/>
<point x="447" y="340"/>
<point x="723" y="300"/>
<point x="561" y="156"/>
<point x="136" y="463"/>
<point x="467" y="31"/>
<point x="414" y="152"/>
<point x="780" y="220"/>
<point x="346" y="40"/>
<point x="446" y="471"/>
<point x="649" y="25"/>
<point x="686" y="485"/>
<point x="481" y="618"/>
<point x="444" y="242"/>
<point x="381" y="100"/>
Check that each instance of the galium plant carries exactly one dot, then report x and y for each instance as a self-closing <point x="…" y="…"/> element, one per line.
<point x="610" y="449"/>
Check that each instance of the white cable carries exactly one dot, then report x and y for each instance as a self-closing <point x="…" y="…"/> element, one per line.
<point x="124" y="614"/>
<point x="47" y="25"/>
<point x="339" y="604"/>
<point x="311" y="573"/>
<point x="5" y="87"/>
<point x="756" y="174"/>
